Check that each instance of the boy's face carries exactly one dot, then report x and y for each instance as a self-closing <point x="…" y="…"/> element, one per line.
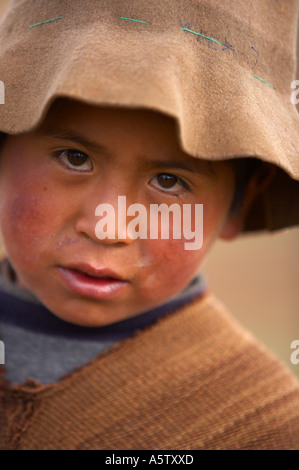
<point x="53" y="179"/>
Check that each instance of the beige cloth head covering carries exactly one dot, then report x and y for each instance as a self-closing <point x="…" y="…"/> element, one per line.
<point x="222" y="69"/>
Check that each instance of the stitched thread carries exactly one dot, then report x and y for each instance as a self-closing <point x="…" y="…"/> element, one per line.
<point x="227" y="46"/>
<point x="201" y="35"/>
<point x="186" y="25"/>
<point x="257" y="58"/>
<point x="186" y="30"/>
<point x="131" y="19"/>
<point x="46" y="21"/>
<point x="262" y="80"/>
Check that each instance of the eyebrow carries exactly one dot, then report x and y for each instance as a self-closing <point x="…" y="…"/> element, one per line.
<point x="74" y="136"/>
<point x="196" y="166"/>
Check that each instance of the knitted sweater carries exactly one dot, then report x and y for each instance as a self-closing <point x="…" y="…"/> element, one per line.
<point x="192" y="380"/>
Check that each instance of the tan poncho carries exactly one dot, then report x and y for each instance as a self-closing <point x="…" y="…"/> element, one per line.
<point x="193" y="380"/>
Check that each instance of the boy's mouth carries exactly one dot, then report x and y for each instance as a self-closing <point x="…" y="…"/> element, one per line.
<point x="93" y="283"/>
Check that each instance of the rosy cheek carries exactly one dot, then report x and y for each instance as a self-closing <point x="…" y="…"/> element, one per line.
<point x="27" y="224"/>
<point x="167" y="260"/>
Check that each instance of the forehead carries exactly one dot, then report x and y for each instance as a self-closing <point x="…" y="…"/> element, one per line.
<point x="93" y="118"/>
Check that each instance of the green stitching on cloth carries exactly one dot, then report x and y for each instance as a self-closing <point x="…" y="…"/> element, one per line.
<point x="202" y="35"/>
<point x="145" y="22"/>
<point x="131" y="19"/>
<point x="46" y="21"/>
<point x="262" y="80"/>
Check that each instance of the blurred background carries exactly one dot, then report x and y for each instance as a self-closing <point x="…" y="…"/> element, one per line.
<point x="257" y="278"/>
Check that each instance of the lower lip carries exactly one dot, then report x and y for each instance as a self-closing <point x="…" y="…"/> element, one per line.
<point x="91" y="287"/>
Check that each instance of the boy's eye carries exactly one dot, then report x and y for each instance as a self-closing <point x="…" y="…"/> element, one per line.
<point x="75" y="160"/>
<point x="168" y="182"/>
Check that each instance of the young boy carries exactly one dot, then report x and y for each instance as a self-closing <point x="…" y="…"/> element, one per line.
<point x="112" y="340"/>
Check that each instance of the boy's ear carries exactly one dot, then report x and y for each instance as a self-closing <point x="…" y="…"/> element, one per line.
<point x="257" y="183"/>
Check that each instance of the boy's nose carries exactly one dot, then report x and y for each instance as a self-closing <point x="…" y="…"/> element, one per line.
<point x="104" y="223"/>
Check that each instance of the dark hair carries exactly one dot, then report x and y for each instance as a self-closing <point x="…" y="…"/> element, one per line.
<point x="244" y="169"/>
<point x="2" y="137"/>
